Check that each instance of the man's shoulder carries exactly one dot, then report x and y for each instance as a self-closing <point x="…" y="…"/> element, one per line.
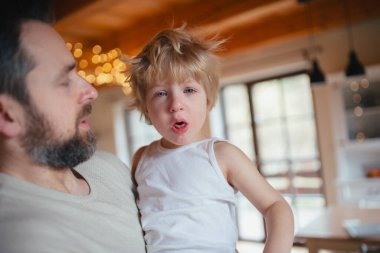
<point x="103" y="158"/>
<point x="104" y="155"/>
<point x="103" y="161"/>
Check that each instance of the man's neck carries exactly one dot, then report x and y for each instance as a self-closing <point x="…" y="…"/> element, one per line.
<point x="63" y="180"/>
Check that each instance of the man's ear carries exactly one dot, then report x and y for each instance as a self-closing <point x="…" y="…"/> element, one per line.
<point x="10" y="115"/>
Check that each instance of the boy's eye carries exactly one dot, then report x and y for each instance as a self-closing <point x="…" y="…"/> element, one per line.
<point x="160" y="93"/>
<point x="189" y="90"/>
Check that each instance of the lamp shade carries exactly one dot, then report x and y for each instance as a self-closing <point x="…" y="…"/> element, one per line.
<point x="354" y="67"/>
<point x="315" y="74"/>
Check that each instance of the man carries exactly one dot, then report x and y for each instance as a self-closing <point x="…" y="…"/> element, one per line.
<point x="55" y="195"/>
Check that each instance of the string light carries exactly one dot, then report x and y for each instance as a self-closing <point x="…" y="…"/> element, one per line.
<point x="356" y="85"/>
<point x="99" y="67"/>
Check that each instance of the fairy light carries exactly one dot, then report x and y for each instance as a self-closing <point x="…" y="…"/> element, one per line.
<point x="83" y="63"/>
<point x="357" y="98"/>
<point x="358" y="111"/>
<point x="69" y="46"/>
<point x="354" y="85"/>
<point x="107" y="67"/>
<point x="82" y="73"/>
<point x="364" y="83"/>
<point x="360" y="136"/>
<point x="100" y="67"/>
<point x="78" y="53"/>
<point x="90" y="78"/>
<point x="78" y="45"/>
<point x="97" y="49"/>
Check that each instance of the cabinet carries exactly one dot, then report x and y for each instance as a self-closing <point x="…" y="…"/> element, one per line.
<point x="362" y="108"/>
<point x="358" y="145"/>
<point x="349" y="146"/>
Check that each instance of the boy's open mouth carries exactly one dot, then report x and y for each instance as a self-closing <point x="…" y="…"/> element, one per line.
<point x="179" y="124"/>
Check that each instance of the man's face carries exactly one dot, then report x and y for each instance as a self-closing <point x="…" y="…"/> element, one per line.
<point x="41" y="143"/>
<point x="56" y="132"/>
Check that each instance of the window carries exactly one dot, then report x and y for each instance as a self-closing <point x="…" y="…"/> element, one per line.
<point x="139" y="133"/>
<point x="273" y="123"/>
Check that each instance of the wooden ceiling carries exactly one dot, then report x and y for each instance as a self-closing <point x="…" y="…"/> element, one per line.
<point x="129" y="24"/>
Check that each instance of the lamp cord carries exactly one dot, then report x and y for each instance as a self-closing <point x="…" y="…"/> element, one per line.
<point x="309" y="21"/>
<point x="349" y="28"/>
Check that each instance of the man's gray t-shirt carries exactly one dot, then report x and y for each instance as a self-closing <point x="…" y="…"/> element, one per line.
<point x="38" y="219"/>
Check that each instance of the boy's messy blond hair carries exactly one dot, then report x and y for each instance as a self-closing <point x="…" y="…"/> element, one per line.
<point x="173" y="55"/>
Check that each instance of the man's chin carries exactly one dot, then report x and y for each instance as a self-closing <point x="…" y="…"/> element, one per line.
<point x="66" y="154"/>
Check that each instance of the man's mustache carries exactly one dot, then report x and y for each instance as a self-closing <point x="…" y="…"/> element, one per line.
<point x="86" y="110"/>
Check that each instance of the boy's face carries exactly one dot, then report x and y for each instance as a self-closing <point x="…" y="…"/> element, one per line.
<point x="178" y="111"/>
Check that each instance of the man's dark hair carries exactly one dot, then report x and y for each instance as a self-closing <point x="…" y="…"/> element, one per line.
<point x="15" y="63"/>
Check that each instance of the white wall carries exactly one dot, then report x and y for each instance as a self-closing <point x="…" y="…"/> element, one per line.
<point x="103" y="117"/>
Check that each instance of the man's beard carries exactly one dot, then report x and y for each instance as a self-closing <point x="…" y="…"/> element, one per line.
<point x="44" y="147"/>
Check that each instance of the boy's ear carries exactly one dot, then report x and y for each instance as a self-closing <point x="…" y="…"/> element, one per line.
<point x="10" y="113"/>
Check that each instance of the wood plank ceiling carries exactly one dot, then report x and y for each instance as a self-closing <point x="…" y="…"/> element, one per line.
<point x="129" y="24"/>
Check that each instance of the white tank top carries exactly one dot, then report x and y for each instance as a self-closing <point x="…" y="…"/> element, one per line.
<point x="186" y="204"/>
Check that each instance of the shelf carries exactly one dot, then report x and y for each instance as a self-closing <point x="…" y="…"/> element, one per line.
<point x="367" y="111"/>
<point x="364" y="181"/>
<point x="366" y="145"/>
<point x="364" y="192"/>
<point x="356" y="157"/>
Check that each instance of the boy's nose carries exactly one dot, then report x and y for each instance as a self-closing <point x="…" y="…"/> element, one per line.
<point x="175" y="104"/>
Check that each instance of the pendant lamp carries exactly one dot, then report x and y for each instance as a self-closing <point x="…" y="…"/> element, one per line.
<point x="316" y="76"/>
<point x="315" y="73"/>
<point x="354" y="66"/>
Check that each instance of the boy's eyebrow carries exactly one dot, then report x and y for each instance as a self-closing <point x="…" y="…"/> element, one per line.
<point x="154" y="86"/>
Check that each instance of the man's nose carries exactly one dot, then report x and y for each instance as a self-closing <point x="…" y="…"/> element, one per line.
<point x="88" y="92"/>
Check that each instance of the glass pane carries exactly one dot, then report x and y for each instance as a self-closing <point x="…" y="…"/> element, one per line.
<point x="242" y="138"/>
<point x="250" y="220"/>
<point x="216" y="121"/>
<point x="307" y="166"/>
<point x="139" y="133"/>
<point x="306" y="208"/>
<point x="274" y="168"/>
<point x="297" y="95"/>
<point x="271" y="141"/>
<point x="281" y="184"/>
<point x="236" y="105"/>
<point x="238" y="119"/>
<point x="267" y="100"/>
<point x="302" y="138"/>
<point x="307" y="182"/>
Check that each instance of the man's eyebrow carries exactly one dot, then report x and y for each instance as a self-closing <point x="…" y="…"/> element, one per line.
<point x="66" y="70"/>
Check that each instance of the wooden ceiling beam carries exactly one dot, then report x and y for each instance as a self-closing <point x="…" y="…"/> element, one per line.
<point x="326" y="15"/>
<point x="205" y="14"/>
<point x="247" y="23"/>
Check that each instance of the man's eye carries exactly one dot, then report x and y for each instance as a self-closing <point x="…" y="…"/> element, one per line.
<point x="66" y="83"/>
<point x="189" y="90"/>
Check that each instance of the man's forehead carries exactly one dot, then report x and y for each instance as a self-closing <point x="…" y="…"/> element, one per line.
<point x="33" y="29"/>
<point x="41" y="41"/>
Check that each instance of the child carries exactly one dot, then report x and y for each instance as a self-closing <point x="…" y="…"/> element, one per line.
<point x="187" y="182"/>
